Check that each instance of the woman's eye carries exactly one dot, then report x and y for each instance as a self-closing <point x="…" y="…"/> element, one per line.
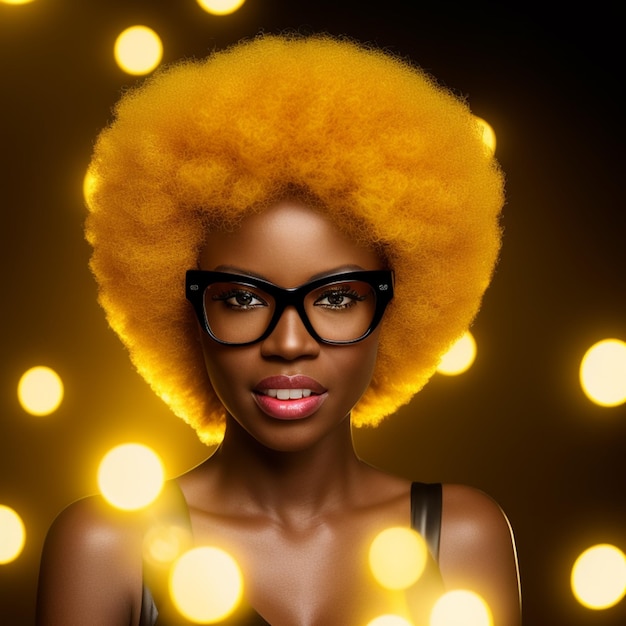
<point x="338" y="299"/>
<point x="241" y="299"/>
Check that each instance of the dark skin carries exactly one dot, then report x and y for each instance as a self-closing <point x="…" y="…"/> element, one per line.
<point x="290" y="500"/>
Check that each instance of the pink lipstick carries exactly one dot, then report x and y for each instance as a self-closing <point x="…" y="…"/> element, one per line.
<point x="289" y="397"/>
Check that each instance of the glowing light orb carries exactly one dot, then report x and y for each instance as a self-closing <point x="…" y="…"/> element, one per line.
<point x="459" y="357"/>
<point x="89" y="186"/>
<point x="206" y="584"/>
<point x="397" y="557"/>
<point x="163" y="544"/>
<point x="461" y="608"/>
<point x="40" y="390"/>
<point x="12" y="535"/>
<point x="389" y="620"/>
<point x="138" y="50"/>
<point x="603" y="372"/>
<point x="220" y="7"/>
<point x="488" y="134"/>
<point x="130" y="476"/>
<point x="598" y="577"/>
<point x="16" y="1"/>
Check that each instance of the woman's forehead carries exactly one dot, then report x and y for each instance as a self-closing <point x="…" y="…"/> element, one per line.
<point x="289" y="242"/>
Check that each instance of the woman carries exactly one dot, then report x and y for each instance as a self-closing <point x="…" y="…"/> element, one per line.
<point x="335" y="216"/>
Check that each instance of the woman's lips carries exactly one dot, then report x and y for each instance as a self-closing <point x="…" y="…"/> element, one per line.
<point x="289" y="397"/>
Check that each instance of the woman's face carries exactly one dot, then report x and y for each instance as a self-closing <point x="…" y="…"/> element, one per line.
<point x="289" y="244"/>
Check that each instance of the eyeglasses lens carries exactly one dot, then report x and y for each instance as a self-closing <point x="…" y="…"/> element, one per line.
<point x="240" y="313"/>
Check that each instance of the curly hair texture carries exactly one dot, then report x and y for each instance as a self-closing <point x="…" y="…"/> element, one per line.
<point x="389" y="156"/>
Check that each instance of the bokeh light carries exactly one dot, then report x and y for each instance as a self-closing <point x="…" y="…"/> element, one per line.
<point x="603" y="372"/>
<point x="40" y="390"/>
<point x="130" y="476"/>
<point x="15" y="1"/>
<point x="138" y="50"/>
<point x="488" y="134"/>
<point x="163" y="544"/>
<point x="89" y="186"/>
<point x="397" y="557"/>
<point x="598" y="577"/>
<point x="12" y="535"/>
<point x="461" y="607"/>
<point x="220" y="7"/>
<point x="459" y="357"/>
<point x="206" y="584"/>
<point x="389" y="620"/>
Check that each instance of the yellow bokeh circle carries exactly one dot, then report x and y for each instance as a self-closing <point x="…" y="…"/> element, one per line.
<point x="40" y="390"/>
<point x="164" y="543"/>
<point x="220" y="7"/>
<point x="12" y="535"/>
<point x="206" y="584"/>
<point x="461" y="607"/>
<point x="389" y="620"/>
<point x="15" y="1"/>
<point x="130" y="476"/>
<point x="138" y="50"/>
<point x="459" y="357"/>
<point x="488" y="134"/>
<point x="89" y="186"/>
<point x="598" y="577"/>
<point x="397" y="557"/>
<point x="603" y="372"/>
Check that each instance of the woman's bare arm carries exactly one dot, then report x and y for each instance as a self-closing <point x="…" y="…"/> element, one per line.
<point x="478" y="552"/>
<point x="90" y="568"/>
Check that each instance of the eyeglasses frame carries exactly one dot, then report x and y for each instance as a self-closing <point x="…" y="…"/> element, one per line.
<point x="381" y="281"/>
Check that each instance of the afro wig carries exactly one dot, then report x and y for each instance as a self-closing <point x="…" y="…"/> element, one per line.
<point x="394" y="159"/>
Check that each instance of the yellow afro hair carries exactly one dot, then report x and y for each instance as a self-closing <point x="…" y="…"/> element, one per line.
<point x="393" y="158"/>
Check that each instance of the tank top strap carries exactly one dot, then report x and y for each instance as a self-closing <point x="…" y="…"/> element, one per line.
<point x="426" y="506"/>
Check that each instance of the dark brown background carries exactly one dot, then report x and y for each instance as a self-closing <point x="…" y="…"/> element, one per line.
<point x="516" y="425"/>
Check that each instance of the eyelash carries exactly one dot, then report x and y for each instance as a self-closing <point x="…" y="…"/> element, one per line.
<point x="233" y="293"/>
<point x="349" y="293"/>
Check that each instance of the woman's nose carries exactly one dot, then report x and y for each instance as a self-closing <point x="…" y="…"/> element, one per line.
<point x="290" y="339"/>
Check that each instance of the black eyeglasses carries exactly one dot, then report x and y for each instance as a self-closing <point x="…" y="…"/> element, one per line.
<point x="241" y="310"/>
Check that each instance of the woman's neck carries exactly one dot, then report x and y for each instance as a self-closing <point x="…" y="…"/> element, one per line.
<point x="294" y="486"/>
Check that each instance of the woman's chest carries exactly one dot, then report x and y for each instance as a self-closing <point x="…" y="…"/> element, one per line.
<point x="309" y="576"/>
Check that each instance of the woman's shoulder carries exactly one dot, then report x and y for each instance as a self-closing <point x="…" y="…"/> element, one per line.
<point x="478" y="550"/>
<point x="91" y="525"/>
<point x="473" y="522"/>
<point x="91" y="566"/>
<point x="466" y="507"/>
